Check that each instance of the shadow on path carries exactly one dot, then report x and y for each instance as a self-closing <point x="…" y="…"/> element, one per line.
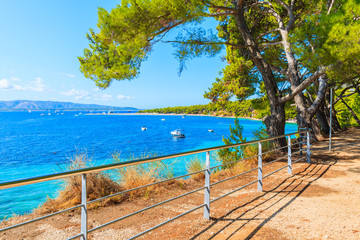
<point x="295" y="184"/>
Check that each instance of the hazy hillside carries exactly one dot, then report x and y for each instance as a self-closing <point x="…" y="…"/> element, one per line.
<point x="48" y="105"/>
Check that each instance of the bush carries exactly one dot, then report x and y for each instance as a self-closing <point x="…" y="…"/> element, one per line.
<point x="98" y="185"/>
<point x="196" y="165"/>
<point x="236" y="136"/>
<point x="138" y="175"/>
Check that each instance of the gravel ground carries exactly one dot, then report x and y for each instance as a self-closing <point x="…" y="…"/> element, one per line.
<point x="319" y="201"/>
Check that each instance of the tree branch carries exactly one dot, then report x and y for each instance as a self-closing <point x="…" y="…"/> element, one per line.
<point x="227" y="13"/>
<point x="302" y="86"/>
<point x="341" y="95"/>
<point x="223" y="8"/>
<point x="276" y="69"/>
<point x="166" y="29"/>
<point x="275" y="14"/>
<point x="205" y="43"/>
<point x="264" y="34"/>
<point x="323" y="85"/>
<point x="290" y="12"/>
<point x="330" y="4"/>
<point x="262" y="46"/>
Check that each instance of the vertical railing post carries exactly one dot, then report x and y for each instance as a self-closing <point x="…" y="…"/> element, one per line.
<point x="300" y="144"/>
<point x="260" y="173"/>
<point x="289" y="156"/>
<point x="308" y="147"/>
<point x="331" y="100"/>
<point x="83" y="208"/>
<point x="207" y="187"/>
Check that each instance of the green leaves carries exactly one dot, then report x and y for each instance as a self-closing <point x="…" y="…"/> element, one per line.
<point x="196" y="42"/>
<point x="236" y="80"/>
<point x="343" y="42"/>
<point x="126" y="35"/>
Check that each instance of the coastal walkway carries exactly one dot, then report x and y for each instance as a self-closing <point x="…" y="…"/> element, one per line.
<point x="319" y="201"/>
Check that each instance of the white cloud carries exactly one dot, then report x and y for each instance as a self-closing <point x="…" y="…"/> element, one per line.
<point x="103" y="97"/>
<point x="69" y="75"/>
<point x="39" y="86"/>
<point x="15" y="79"/>
<point x="122" y="97"/>
<point x="78" y="94"/>
<point x="5" y="84"/>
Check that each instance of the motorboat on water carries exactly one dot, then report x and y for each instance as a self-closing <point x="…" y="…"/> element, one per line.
<point x="163" y="119"/>
<point x="178" y="133"/>
<point x="210" y="130"/>
<point x="143" y="128"/>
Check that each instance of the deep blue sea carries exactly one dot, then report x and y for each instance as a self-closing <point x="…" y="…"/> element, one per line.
<point x="33" y="145"/>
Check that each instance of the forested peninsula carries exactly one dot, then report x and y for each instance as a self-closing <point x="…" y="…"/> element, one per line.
<point x="346" y="107"/>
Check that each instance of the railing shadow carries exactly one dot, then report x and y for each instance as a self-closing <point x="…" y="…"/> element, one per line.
<point x="316" y="169"/>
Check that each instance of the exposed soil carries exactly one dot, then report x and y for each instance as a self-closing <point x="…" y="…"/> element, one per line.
<point x="319" y="201"/>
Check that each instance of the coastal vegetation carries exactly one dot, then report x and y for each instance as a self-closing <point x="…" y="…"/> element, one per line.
<point x="102" y="184"/>
<point x="256" y="108"/>
<point x="230" y="155"/>
<point x="280" y="50"/>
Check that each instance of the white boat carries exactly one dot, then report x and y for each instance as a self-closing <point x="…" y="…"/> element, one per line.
<point x="178" y="133"/>
<point x="43" y="114"/>
<point x="49" y="114"/>
<point x="143" y="128"/>
<point x="163" y="119"/>
<point x="210" y="130"/>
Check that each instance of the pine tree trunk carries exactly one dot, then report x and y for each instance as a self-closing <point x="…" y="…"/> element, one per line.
<point x="323" y="121"/>
<point x="275" y="124"/>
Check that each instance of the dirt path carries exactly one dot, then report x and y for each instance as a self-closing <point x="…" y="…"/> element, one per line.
<point x="320" y="201"/>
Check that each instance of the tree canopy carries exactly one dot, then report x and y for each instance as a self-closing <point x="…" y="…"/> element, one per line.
<point x="276" y="48"/>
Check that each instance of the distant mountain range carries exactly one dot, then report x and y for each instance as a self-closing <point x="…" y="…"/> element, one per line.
<point x="51" y="105"/>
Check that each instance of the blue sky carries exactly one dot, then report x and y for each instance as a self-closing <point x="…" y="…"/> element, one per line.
<point x="41" y="40"/>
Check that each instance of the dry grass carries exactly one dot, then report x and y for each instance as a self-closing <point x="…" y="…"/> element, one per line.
<point x="196" y="165"/>
<point x="142" y="174"/>
<point x="237" y="168"/>
<point x="98" y="185"/>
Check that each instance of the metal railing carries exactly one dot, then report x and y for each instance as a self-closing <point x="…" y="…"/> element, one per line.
<point x="207" y="186"/>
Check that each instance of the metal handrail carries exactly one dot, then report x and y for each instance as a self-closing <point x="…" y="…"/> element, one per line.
<point x="233" y="162"/>
<point x="299" y="159"/>
<point x="40" y="218"/>
<point x="206" y="170"/>
<point x="147" y="185"/>
<point x="275" y="171"/>
<point x="278" y="159"/>
<point x="144" y="209"/>
<point x="27" y="181"/>
<point x="229" y="178"/>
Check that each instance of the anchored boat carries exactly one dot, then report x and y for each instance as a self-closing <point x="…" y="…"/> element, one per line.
<point x="178" y="133"/>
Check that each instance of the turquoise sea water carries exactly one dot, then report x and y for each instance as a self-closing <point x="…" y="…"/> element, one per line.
<point x="33" y="145"/>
